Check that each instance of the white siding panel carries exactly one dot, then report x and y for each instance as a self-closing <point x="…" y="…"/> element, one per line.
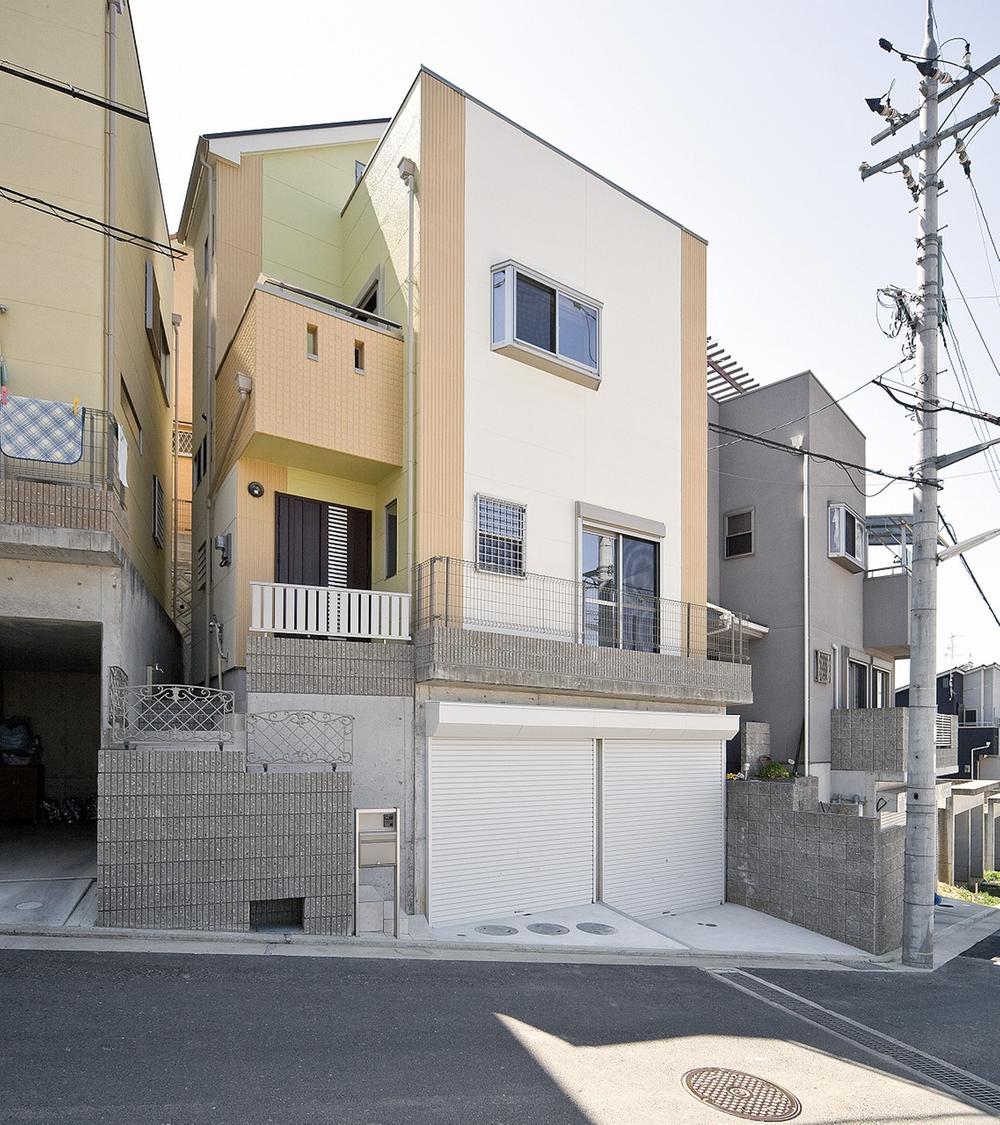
<point x="511" y="827"/>
<point x="663" y="826"/>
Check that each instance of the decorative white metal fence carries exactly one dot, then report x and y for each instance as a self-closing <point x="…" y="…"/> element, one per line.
<point x="171" y="713"/>
<point x="327" y="611"/>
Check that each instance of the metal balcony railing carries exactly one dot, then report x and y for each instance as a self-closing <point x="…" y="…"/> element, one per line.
<point x="182" y="508"/>
<point x="96" y="468"/>
<point x="328" y="611"/>
<point x="457" y="594"/>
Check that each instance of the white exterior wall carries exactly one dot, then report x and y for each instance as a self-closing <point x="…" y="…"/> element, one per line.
<point x="536" y="438"/>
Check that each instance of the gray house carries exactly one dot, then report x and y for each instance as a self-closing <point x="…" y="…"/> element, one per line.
<point x="791" y="546"/>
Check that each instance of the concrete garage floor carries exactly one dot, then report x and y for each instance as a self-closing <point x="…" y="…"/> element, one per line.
<point x="728" y="929"/>
<point x="48" y="874"/>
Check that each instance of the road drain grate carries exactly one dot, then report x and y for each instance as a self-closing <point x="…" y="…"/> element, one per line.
<point x="741" y="1095"/>
<point x="952" y="1079"/>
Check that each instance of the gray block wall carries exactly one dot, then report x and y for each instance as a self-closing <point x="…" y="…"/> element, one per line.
<point x="870" y="739"/>
<point x="187" y="839"/>
<point x="297" y="665"/>
<point x="838" y="875"/>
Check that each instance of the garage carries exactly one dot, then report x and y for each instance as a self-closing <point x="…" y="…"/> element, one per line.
<point x="535" y="808"/>
<point x="662" y="825"/>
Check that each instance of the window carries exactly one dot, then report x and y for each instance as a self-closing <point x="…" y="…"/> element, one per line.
<point x="156" y="334"/>
<point x="201" y="566"/>
<point x="824" y="667"/>
<point x="531" y="312"/>
<point x="880" y="688"/>
<point x="158" y="512"/>
<point x="621" y="580"/>
<point x="359" y="170"/>
<point x="391" y="545"/>
<point x="131" y="414"/>
<point x="499" y="536"/>
<point x="201" y="461"/>
<point x="206" y="259"/>
<point x="857" y="684"/>
<point x="312" y="341"/>
<point x="969" y="716"/>
<point x="739" y="534"/>
<point x="368" y="301"/>
<point x="359" y="356"/>
<point x="847" y="538"/>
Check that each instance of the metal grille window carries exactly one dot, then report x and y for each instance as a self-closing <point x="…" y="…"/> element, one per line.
<point x="499" y="536"/>
<point x="739" y="534"/>
<point x="824" y="666"/>
<point x="201" y="566"/>
<point x="159" y="514"/>
<point x="183" y="440"/>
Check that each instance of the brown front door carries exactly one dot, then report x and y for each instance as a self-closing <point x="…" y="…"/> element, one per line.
<point x="320" y="544"/>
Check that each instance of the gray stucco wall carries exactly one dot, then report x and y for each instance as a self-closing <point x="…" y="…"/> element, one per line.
<point x="187" y="839"/>
<point x="839" y="875"/>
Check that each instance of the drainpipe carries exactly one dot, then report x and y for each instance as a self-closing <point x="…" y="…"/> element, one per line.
<point x="798" y="442"/>
<point x="110" y="202"/>
<point x="176" y="321"/>
<point x="408" y="173"/>
<point x="209" y="169"/>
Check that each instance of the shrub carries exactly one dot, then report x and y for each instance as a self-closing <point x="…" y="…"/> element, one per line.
<point x="775" y="771"/>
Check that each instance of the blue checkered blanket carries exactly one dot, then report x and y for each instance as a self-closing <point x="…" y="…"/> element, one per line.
<point x="36" y="430"/>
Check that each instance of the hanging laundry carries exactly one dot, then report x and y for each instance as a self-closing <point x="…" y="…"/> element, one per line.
<point x="36" y="430"/>
<point x="122" y="455"/>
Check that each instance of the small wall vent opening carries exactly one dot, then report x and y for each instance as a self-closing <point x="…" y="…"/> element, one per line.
<point x="277" y="914"/>
<point x="359" y="356"/>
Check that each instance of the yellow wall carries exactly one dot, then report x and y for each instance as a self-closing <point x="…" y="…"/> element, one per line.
<point x="694" y="429"/>
<point x="303" y="193"/>
<point x="52" y="274"/>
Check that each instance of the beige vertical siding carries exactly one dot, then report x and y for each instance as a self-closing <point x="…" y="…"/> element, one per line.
<point x="238" y="229"/>
<point x="694" y="431"/>
<point x="440" y="376"/>
<point x="254" y="547"/>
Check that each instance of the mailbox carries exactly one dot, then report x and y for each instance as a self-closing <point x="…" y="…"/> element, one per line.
<point x="376" y="844"/>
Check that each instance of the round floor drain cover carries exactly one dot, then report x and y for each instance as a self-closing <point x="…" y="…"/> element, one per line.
<point x="496" y="931"/>
<point x="552" y="928"/>
<point x="27" y="906"/>
<point x="596" y="928"/>
<point x="742" y="1095"/>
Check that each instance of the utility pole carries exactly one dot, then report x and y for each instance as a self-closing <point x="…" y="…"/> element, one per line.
<point x="920" y="870"/>
<point x="920" y="863"/>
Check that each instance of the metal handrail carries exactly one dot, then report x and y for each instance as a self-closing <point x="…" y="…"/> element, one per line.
<point x="456" y="593"/>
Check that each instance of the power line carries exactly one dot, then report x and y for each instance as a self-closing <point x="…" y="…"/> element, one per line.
<point x="968" y="569"/>
<point x="819" y="410"/>
<point x="823" y="458"/>
<point x="975" y="323"/>
<point x="979" y="204"/>
<point x="88" y="223"/>
<point x="73" y="91"/>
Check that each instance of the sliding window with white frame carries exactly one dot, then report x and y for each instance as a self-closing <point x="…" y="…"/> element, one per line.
<point x="621" y="585"/>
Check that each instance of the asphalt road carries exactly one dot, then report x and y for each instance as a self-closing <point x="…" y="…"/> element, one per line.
<point x="134" y="1039"/>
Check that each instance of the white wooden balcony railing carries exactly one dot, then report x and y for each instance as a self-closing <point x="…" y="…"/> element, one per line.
<point x="326" y="611"/>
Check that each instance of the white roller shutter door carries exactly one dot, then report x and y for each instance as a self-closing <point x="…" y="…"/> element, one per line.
<point x="663" y="844"/>
<point x="511" y="827"/>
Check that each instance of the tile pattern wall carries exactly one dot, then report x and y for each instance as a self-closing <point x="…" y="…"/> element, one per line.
<point x="187" y="839"/>
<point x="297" y="665"/>
<point x="838" y="875"/>
<point x="875" y="739"/>
<point x="63" y="505"/>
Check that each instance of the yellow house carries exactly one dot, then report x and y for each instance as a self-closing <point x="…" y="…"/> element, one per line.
<point x="86" y="478"/>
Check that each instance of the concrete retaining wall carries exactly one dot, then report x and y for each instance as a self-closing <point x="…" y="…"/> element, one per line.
<point x="838" y="875"/>
<point x="187" y="839"/>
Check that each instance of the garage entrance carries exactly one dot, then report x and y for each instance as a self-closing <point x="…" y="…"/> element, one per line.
<point x="542" y="821"/>
<point x="50" y="733"/>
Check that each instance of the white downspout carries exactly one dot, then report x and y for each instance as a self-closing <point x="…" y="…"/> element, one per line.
<point x="210" y="421"/>
<point x="797" y="442"/>
<point x="110" y="203"/>
<point x="176" y="321"/>
<point x="407" y="173"/>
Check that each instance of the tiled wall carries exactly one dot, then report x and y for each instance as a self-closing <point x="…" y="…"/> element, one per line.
<point x="299" y="666"/>
<point x="839" y="875"/>
<point x="187" y="839"/>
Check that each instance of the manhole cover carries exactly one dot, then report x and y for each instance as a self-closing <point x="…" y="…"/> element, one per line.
<point x="496" y="931"/>
<point x="27" y="906"/>
<point x="742" y="1095"/>
<point x="596" y="928"/>
<point x="548" y="928"/>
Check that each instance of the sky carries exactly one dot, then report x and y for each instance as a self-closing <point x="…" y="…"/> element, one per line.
<point x="745" y="122"/>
